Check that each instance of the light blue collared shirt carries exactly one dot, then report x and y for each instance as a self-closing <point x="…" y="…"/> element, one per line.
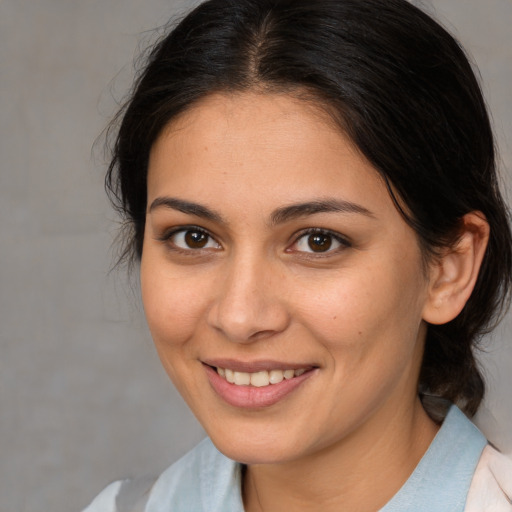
<point x="204" y="480"/>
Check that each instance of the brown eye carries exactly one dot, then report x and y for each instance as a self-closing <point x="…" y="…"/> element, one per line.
<point x="196" y="239"/>
<point x="193" y="239"/>
<point x="319" y="242"/>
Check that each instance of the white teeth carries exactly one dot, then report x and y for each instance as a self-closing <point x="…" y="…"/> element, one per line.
<point x="289" y="374"/>
<point x="258" y="379"/>
<point x="230" y="376"/>
<point x="242" y="379"/>
<point x="275" y="376"/>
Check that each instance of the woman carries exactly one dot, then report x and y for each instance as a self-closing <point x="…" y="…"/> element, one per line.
<point x="312" y="194"/>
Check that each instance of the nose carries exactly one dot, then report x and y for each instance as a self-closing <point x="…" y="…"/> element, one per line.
<point x="249" y="304"/>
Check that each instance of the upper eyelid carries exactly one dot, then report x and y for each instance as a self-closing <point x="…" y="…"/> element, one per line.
<point x="167" y="233"/>
<point x="311" y="231"/>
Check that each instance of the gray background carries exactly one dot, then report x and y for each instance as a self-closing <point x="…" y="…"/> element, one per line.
<point x="83" y="399"/>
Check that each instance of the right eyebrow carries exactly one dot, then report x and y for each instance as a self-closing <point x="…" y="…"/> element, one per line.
<point x="187" y="207"/>
<point x="324" y="205"/>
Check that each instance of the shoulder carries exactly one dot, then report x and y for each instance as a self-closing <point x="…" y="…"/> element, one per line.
<point x="123" y="496"/>
<point x="491" y="487"/>
<point x="106" y="499"/>
<point x="203" y="479"/>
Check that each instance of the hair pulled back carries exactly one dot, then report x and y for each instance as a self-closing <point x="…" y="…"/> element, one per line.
<point x="396" y="82"/>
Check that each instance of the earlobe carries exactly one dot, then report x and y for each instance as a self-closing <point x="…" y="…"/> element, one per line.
<point x="454" y="274"/>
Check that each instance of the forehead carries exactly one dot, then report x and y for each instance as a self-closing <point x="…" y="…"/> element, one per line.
<point x="259" y="121"/>
<point x="247" y="138"/>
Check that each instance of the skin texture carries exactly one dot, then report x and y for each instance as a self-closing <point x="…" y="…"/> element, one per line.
<point x="352" y="432"/>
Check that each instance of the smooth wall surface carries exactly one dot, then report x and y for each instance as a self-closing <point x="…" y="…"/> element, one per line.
<point x="83" y="398"/>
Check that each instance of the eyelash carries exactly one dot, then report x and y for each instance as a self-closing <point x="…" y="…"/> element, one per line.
<point x="343" y="242"/>
<point x="167" y="237"/>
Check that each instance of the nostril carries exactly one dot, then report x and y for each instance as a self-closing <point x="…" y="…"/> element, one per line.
<point x="261" y="335"/>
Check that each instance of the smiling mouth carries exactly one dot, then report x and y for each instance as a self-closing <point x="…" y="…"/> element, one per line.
<point x="257" y="384"/>
<point x="259" y="379"/>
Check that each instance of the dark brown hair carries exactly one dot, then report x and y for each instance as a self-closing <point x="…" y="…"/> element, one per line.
<point x="399" y="85"/>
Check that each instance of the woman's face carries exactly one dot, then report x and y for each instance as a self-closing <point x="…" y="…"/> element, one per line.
<point x="274" y="257"/>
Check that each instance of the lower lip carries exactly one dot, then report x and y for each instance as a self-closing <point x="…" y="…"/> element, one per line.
<point x="252" y="397"/>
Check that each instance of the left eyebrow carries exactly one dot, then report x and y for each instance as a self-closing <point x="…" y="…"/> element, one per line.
<point x="186" y="207"/>
<point x="294" y="211"/>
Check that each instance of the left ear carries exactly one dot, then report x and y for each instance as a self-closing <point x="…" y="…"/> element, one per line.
<point x="453" y="275"/>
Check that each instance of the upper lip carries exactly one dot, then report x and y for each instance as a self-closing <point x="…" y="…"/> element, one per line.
<point x="255" y="366"/>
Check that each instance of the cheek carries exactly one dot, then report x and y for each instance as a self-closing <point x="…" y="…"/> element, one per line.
<point x="173" y="309"/>
<point x="375" y="309"/>
<point x="172" y="304"/>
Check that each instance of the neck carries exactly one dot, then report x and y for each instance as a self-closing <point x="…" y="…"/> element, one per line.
<point x="361" y="472"/>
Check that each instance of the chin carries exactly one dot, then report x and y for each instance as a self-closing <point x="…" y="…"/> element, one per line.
<point x="249" y="447"/>
<point x="250" y="453"/>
